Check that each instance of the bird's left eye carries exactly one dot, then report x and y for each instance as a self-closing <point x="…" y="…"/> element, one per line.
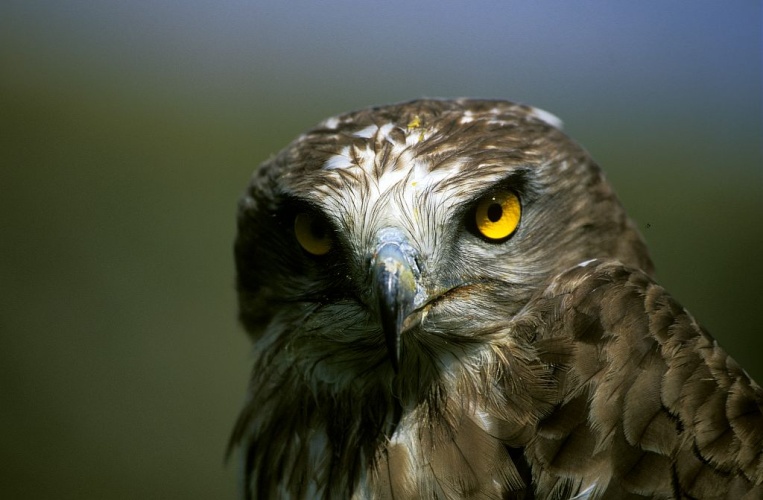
<point x="497" y="215"/>
<point x="312" y="234"/>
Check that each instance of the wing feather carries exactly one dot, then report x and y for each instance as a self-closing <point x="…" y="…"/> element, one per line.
<point x="651" y="404"/>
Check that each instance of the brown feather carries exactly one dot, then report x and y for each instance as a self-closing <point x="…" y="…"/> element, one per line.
<point x="672" y="414"/>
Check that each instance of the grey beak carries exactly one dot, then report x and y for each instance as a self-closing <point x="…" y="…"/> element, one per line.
<point x="395" y="282"/>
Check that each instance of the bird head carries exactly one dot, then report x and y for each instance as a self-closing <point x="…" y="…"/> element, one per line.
<point x="385" y="244"/>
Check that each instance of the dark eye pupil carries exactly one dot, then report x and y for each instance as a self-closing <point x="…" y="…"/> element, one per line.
<point x="494" y="212"/>
<point x="317" y="230"/>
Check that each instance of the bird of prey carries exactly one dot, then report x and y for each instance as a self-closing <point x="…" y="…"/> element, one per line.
<point x="447" y="300"/>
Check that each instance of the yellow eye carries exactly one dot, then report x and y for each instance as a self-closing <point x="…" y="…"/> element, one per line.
<point x="497" y="215"/>
<point x="312" y="234"/>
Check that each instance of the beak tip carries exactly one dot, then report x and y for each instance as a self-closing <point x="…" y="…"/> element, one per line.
<point x="395" y="364"/>
<point x="391" y="331"/>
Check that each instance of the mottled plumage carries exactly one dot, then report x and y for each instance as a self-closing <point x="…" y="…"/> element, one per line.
<point x="414" y="337"/>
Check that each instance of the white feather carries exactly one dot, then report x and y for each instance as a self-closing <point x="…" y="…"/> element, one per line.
<point x="547" y="117"/>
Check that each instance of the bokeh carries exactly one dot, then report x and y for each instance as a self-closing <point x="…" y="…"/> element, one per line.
<point x="128" y="129"/>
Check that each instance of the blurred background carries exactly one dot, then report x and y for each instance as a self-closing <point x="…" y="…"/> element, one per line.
<point x="128" y="129"/>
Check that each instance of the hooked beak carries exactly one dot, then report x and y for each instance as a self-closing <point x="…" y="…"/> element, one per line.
<point x="394" y="274"/>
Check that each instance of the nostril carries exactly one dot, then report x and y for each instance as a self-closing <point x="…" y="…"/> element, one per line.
<point x="419" y="264"/>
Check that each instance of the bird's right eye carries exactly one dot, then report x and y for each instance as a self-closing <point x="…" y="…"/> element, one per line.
<point x="312" y="234"/>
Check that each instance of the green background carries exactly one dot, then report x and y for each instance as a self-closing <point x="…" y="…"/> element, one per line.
<point x="129" y="129"/>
